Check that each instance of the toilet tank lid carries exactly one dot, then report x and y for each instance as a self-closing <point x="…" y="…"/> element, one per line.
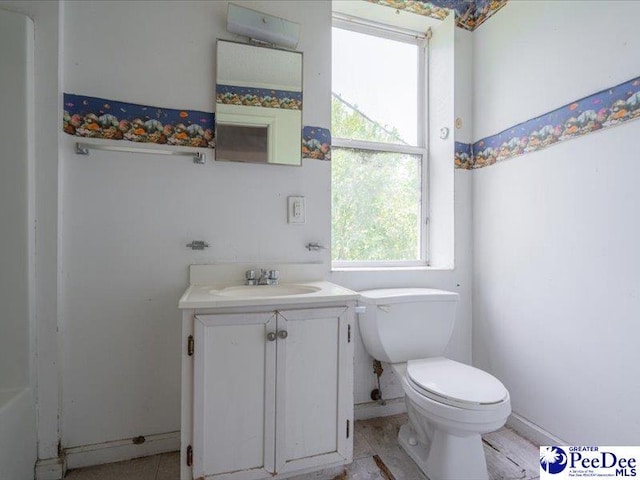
<point x="405" y="295"/>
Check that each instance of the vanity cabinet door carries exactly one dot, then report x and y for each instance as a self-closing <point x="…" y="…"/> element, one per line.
<point x="234" y="396"/>
<point x="314" y="388"/>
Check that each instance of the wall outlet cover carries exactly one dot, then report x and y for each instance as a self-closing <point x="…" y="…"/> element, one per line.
<point x="296" y="210"/>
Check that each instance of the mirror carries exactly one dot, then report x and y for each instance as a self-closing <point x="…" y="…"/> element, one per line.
<point x="258" y="104"/>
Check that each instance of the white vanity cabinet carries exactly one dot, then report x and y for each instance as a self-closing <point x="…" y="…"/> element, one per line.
<point x="268" y="391"/>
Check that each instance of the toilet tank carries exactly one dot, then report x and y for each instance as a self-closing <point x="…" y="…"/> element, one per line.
<point x="402" y="324"/>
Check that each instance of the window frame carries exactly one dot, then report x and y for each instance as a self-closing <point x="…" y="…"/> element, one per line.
<point x="421" y="149"/>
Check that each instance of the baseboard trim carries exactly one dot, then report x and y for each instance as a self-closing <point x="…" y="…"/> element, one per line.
<point x="532" y="432"/>
<point x="50" y="469"/>
<point x="393" y="406"/>
<point x="118" y="450"/>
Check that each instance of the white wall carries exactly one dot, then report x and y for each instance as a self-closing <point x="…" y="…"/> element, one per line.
<point x="556" y="285"/>
<point x="127" y="218"/>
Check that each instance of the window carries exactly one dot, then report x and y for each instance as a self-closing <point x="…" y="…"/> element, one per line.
<point x="378" y="171"/>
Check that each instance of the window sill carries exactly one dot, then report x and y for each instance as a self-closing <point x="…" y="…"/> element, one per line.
<point x="413" y="268"/>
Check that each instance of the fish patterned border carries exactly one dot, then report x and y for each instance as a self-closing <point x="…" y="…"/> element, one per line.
<point x="605" y="109"/>
<point x="469" y="15"/>
<point x="258" y="97"/>
<point x="94" y="117"/>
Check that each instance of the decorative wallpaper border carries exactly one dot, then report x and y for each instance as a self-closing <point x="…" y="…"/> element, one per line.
<point x="479" y="12"/>
<point x="605" y="109"/>
<point x="463" y="157"/>
<point x="93" y="117"/>
<point x="469" y="15"/>
<point x="258" y="97"/>
<point x="316" y="143"/>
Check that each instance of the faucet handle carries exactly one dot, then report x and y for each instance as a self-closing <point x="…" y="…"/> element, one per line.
<point x="250" y="275"/>
<point x="274" y="274"/>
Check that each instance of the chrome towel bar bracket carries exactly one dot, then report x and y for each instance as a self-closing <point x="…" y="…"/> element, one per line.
<point x="198" y="245"/>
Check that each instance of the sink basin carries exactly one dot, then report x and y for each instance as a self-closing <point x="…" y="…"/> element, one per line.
<point x="245" y="291"/>
<point x="297" y="291"/>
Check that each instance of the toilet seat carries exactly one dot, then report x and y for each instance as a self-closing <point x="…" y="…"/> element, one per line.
<point x="455" y="384"/>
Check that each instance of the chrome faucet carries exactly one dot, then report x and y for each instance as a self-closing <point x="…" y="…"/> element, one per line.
<point x="268" y="277"/>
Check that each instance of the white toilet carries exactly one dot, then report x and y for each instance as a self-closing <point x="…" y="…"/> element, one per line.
<point x="450" y="404"/>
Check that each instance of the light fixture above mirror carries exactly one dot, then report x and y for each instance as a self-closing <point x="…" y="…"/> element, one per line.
<point x="262" y="27"/>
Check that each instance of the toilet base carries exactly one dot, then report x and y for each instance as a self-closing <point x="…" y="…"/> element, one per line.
<point x="447" y="457"/>
<point x="409" y="442"/>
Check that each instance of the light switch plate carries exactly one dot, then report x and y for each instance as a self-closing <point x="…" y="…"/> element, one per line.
<point x="296" y="210"/>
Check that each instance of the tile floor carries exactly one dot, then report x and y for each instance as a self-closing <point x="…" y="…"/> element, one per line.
<point x="377" y="456"/>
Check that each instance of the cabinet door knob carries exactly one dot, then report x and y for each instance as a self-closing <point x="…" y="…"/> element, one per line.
<point x="283" y="334"/>
<point x="271" y="336"/>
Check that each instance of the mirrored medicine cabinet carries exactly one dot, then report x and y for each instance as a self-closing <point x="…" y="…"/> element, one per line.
<point x="258" y="104"/>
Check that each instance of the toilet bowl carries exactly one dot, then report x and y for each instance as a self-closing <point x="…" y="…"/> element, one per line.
<point x="450" y="404"/>
<point x="446" y="421"/>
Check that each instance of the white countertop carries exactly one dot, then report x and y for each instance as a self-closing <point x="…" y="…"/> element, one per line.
<point x="209" y="296"/>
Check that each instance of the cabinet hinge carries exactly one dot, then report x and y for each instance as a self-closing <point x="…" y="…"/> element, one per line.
<point x="190" y="346"/>
<point x="189" y="456"/>
<point x="348" y="428"/>
<point x="348" y="333"/>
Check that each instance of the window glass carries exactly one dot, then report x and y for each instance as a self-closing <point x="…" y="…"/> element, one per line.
<point x="375" y="205"/>
<point x="376" y="77"/>
<point x="377" y="159"/>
